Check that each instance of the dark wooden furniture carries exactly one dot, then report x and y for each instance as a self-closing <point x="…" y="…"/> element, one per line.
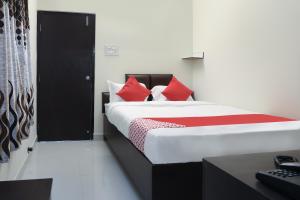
<point x="233" y="177"/>
<point x="26" y="189"/>
<point x="154" y="182"/>
<point x="65" y="76"/>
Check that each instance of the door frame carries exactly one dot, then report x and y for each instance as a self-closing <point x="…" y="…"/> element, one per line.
<point x="39" y="31"/>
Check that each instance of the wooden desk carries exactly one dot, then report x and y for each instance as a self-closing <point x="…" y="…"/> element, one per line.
<point x="26" y="189"/>
<point x="233" y="177"/>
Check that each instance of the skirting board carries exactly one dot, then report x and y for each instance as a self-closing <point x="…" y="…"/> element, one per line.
<point x="12" y="169"/>
<point x="98" y="136"/>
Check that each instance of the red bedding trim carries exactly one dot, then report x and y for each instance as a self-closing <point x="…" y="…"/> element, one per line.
<point x="222" y="120"/>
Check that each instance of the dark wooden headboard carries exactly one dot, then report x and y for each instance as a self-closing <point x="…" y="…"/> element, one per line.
<point x="150" y="80"/>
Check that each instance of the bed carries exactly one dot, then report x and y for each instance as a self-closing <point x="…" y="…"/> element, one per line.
<point x="170" y="166"/>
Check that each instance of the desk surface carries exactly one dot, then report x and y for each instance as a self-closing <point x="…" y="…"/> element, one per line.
<point x="26" y="189"/>
<point x="244" y="168"/>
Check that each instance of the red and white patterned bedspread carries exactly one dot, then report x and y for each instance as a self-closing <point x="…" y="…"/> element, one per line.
<point x="139" y="128"/>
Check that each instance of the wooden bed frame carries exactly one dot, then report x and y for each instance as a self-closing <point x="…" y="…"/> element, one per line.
<point x="153" y="181"/>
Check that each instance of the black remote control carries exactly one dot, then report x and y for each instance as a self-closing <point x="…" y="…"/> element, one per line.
<point x="283" y="180"/>
<point x="279" y="160"/>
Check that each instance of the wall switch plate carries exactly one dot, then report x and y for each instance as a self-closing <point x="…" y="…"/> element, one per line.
<point x="111" y="50"/>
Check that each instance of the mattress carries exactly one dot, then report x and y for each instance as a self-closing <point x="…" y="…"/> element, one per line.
<point x="192" y="144"/>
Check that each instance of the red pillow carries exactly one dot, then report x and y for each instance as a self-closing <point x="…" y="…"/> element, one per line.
<point x="176" y="91"/>
<point x="133" y="91"/>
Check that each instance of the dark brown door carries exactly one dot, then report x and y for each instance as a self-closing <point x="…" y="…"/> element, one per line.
<point x="65" y="76"/>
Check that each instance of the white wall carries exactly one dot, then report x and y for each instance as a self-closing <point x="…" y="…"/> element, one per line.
<point x="11" y="170"/>
<point x="153" y="37"/>
<point x="252" y="51"/>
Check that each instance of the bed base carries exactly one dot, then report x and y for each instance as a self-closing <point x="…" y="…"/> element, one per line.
<point x="152" y="181"/>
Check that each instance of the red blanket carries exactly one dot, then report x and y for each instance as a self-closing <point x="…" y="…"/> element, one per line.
<point x="222" y="120"/>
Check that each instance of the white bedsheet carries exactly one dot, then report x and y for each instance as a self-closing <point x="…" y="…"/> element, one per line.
<point x="181" y="145"/>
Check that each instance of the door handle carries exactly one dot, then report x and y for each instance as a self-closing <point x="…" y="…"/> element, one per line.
<point x="88" y="78"/>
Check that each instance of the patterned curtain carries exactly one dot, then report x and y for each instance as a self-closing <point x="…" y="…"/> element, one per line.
<point x="16" y="89"/>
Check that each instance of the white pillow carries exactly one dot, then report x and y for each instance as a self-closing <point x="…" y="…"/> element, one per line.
<point x="114" y="88"/>
<point x="158" y="96"/>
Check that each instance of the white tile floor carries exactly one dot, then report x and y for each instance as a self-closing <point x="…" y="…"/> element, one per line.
<point x="84" y="170"/>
